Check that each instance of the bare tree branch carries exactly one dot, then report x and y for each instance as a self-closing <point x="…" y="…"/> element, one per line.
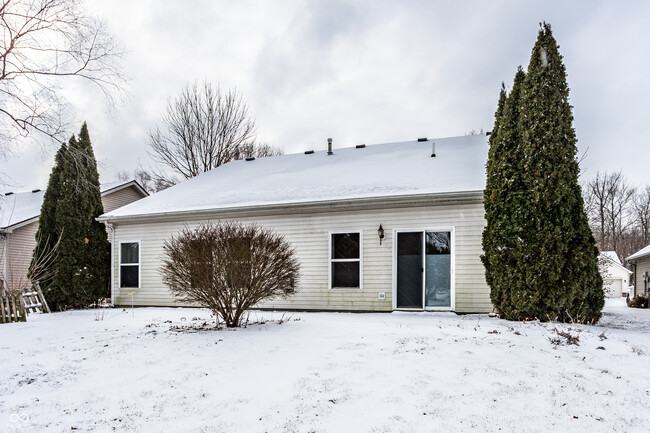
<point x="43" y="43"/>
<point x="203" y="128"/>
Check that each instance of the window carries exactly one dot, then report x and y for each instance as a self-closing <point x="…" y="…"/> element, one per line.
<point x="129" y="264"/>
<point x="345" y="260"/>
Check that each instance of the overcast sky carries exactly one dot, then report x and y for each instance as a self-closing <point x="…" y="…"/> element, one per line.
<point x="366" y="72"/>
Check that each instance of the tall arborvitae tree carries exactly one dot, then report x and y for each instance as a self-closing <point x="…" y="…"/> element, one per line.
<point x="547" y="254"/>
<point x="71" y="204"/>
<point x="83" y="258"/>
<point x="47" y="234"/>
<point x="502" y="252"/>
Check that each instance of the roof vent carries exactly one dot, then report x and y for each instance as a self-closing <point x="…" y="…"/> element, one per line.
<point x="329" y="146"/>
<point x="250" y="158"/>
<point x="8" y="193"/>
<point x="36" y="190"/>
<point x="360" y="146"/>
<point x="308" y="152"/>
<point x="433" y="149"/>
<point x="420" y="140"/>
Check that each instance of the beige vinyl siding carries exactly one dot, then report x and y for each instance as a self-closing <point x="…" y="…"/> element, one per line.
<point x="121" y="197"/>
<point x="642" y="265"/>
<point x="20" y="245"/>
<point x="308" y="232"/>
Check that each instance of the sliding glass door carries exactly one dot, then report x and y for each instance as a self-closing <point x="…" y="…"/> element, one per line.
<point x="423" y="269"/>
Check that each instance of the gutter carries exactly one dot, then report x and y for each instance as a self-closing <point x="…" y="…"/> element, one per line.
<point x="342" y="204"/>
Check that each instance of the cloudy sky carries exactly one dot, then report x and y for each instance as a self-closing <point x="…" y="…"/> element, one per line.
<point x="365" y="72"/>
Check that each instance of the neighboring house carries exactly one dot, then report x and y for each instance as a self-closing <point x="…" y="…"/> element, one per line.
<point x="641" y="263"/>
<point x="331" y="207"/>
<point x="616" y="277"/>
<point x="19" y="213"/>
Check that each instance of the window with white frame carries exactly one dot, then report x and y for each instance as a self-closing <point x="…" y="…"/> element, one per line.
<point x="129" y="264"/>
<point x="345" y="260"/>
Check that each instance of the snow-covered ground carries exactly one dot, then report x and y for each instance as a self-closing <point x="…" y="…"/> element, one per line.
<point x="324" y="372"/>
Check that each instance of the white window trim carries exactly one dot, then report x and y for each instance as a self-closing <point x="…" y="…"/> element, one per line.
<point x="120" y="264"/>
<point x="452" y="230"/>
<point x="329" y="260"/>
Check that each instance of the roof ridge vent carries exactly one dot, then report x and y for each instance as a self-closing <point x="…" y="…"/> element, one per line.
<point x="308" y="152"/>
<point x="360" y="146"/>
<point x="250" y="158"/>
<point x="420" y="140"/>
<point x="8" y="193"/>
<point x="36" y="190"/>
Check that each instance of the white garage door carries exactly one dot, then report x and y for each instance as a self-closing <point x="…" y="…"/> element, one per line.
<point x="613" y="288"/>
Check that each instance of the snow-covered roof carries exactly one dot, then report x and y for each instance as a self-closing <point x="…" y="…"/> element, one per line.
<point x="612" y="256"/>
<point x="381" y="170"/>
<point x="20" y="207"/>
<point x="641" y="253"/>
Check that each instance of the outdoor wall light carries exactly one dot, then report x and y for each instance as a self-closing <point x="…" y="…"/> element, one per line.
<point x="380" y="232"/>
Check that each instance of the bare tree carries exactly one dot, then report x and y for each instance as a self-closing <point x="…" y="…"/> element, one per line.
<point x="229" y="267"/>
<point x="608" y="201"/>
<point x="642" y="214"/>
<point x="44" y="43"/>
<point x="203" y="128"/>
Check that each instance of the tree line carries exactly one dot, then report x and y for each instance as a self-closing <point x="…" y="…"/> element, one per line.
<point x="619" y="213"/>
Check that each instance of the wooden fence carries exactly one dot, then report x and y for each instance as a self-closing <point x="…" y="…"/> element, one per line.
<point x="12" y="308"/>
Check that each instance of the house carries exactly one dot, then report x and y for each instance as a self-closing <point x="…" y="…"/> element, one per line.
<point x="408" y="216"/>
<point x="19" y="213"/>
<point x="616" y="277"/>
<point x="641" y="263"/>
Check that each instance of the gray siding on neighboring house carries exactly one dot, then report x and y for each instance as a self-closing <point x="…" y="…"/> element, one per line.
<point x="2" y="261"/>
<point x="642" y="265"/>
<point x="19" y="246"/>
<point x="308" y="232"/>
<point x="22" y="241"/>
<point x="120" y="197"/>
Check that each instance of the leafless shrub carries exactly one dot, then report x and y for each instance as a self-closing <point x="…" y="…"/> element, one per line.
<point x="564" y="337"/>
<point x="229" y="267"/>
<point x="639" y="301"/>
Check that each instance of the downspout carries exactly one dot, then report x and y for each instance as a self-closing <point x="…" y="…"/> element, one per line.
<point x="5" y="259"/>
<point x="109" y="227"/>
<point x="634" y="285"/>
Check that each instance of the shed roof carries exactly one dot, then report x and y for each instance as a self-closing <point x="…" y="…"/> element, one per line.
<point x="381" y="170"/>
<point x="612" y="256"/>
<point x="21" y="207"/>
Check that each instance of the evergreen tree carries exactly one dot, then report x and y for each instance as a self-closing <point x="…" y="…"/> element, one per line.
<point x="540" y="256"/>
<point x="47" y="234"/>
<point x="504" y="188"/>
<point x="84" y="252"/>
<point x="71" y="204"/>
